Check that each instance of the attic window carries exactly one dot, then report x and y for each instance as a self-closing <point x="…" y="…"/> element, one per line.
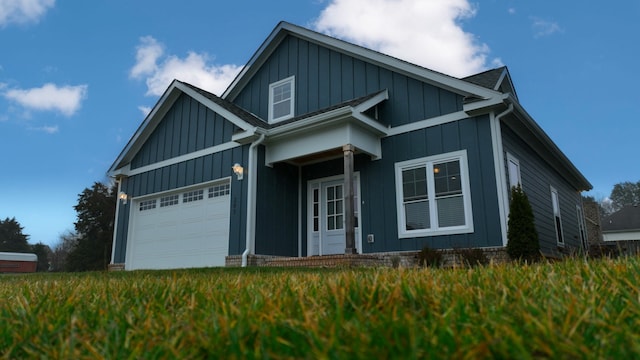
<point x="281" y="99"/>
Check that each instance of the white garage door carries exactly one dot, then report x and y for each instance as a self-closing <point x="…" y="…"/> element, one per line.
<point x="180" y="230"/>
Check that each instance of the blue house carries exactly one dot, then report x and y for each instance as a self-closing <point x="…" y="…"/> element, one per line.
<point x="323" y="147"/>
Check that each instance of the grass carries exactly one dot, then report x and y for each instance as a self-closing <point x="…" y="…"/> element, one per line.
<point x="571" y="309"/>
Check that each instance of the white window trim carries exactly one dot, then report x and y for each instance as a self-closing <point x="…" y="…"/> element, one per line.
<point x="516" y="162"/>
<point x="466" y="195"/>
<point x="555" y="193"/>
<point x="291" y="80"/>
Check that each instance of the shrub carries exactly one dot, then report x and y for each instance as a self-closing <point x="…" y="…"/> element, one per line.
<point x="523" y="243"/>
<point x="472" y="257"/>
<point x="429" y="257"/>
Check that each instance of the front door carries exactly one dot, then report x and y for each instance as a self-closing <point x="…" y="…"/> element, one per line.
<point x="327" y="217"/>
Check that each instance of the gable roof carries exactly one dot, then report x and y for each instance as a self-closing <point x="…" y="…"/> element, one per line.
<point x="229" y="111"/>
<point x="284" y="29"/>
<point x="627" y="218"/>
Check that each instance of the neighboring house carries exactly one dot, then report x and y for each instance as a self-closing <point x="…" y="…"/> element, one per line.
<point x="343" y="150"/>
<point x="622" y="228"/>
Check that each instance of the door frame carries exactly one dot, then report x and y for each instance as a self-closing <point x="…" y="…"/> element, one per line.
<point x="317" y="184"/>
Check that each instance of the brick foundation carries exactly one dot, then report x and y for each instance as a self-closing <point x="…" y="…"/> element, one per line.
<point x="405" y="259"/>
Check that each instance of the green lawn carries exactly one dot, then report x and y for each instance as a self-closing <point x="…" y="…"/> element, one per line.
<point x="571" y="309"/>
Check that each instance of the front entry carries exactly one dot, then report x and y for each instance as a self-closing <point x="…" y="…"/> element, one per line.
<point x="326" y="218"/>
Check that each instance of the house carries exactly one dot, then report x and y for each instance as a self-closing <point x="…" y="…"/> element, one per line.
<point x="622" y="229"/>
<point x="323" y="147"/>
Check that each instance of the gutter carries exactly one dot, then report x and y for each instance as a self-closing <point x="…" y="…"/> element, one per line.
<point x="251" y="198"/>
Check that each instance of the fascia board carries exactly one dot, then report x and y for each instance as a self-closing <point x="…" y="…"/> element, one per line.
<point x="542" y="136"/>
<point x="377" y="99"/>
<point x="485" y="106"/>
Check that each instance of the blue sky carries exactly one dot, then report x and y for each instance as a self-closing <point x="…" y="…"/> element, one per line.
<point x="77" y="77"/>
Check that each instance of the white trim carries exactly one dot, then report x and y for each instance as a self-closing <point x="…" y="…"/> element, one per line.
<point x="556" y="200"/>
<point x="502" y="188"/>
<point x="115" y="223"/>
<point x="157" y="113"/>
<point x="291" y="80"/>
<point x="423" y="124"/>
<point x="181" y="158"/>
<point x="582" y="228"/>
<point x="309" y="211"/>
<point x="624" y="235"/>
<point x="516" y="162"/>
<point x="428" y="162"/>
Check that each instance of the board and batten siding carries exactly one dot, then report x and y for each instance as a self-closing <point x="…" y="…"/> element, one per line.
<point x="325" y="77"/>
<point x="187" y="127"/>
<point x="537" y="179"/>
<point x="378" y="190"/>
<point x="276" y="208"/>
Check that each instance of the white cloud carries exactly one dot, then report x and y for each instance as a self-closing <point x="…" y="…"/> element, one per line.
<point x="427" y="33"/>
<point x="159" y="69"/>
<point x="23" y="11"/>
<point x="66" y="99"/>
<point x="145" y="110"/>
<point x="543" y="27"/>
<point x="47" y="129"/>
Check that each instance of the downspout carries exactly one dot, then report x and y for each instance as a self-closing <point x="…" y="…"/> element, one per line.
<point x="500" y="172"/>
<point x="251" y="198"/>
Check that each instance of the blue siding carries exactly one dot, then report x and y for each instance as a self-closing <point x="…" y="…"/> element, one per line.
<point x="537" y="178"/>
<point x="277" y="209"/>
<point x="378" y="191"/>
<point x="187" y="127"/>
<point x="325" y="77"/>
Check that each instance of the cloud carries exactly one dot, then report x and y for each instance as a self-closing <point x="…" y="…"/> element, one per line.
<point x="427" y="33"/>
<point x="159" y="69"/>
<point x="23" y="11"/>
<point x="66" y="99"/>
<point x="543" y="27"/>
<point x="145" y="110"/>
<point x="47" y="129"/>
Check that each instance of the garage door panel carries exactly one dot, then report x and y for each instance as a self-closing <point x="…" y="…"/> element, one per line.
<point x="183" y="234"/>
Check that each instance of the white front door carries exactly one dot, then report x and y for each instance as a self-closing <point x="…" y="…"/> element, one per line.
<point x="327" y="217"/>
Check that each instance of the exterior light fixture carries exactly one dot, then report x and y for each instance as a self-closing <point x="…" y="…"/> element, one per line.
<point x="123" y="197"/>
<point x="238" y="170"/>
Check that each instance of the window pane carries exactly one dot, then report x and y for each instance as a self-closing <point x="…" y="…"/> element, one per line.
<point x="417" y="215"/>
<point x="450" y="211"/>
<point x="414" y="184"/>
<point x="447" y="178"/>
<point x="338" y="206"/>
<point x="514" y="174"/>
<point x="339" y="222"/>
<point x="281" y="109"/>
<point x="331" y="225"/>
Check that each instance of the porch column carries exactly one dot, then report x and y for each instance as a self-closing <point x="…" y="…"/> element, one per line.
<point x="349" y="216"/>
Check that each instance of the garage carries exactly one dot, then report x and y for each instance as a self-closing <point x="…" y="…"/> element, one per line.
<point x="184" y="229"/>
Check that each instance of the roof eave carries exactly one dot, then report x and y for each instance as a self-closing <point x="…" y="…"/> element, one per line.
<point x="581" y="181"/>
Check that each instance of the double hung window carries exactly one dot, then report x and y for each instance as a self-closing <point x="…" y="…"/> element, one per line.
<point x="433" y="196"/>
<point x="281" y="99"/>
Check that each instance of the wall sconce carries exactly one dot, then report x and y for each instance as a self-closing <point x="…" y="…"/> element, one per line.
<point x="238" y="170"/>
<point x="123" y="197"/>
